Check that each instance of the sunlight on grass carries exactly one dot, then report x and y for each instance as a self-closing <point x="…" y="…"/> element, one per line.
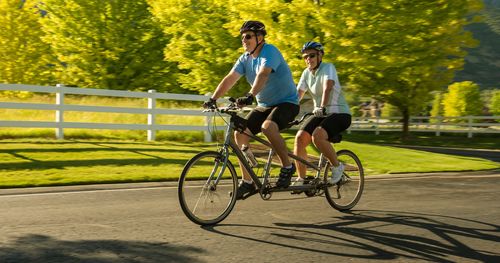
<point x="48" y="162"/>
<point x="108" y="156"/>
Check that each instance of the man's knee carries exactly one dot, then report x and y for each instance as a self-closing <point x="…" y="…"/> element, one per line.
<point x="269" y="127"/>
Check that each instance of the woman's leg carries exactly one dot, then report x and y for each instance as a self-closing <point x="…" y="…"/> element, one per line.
<point x="333" y="124"/>
<point x="302" y="139"/>
<point x="320" y="140"/>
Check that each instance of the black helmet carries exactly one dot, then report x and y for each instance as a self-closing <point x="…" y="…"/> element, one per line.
<point x="312" y="45"/>
<point x="255" y="26"/>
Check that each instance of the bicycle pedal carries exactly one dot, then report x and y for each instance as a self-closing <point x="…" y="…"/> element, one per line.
<point x="247" y="195"/>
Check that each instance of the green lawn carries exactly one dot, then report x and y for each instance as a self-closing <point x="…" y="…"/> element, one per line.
<point x="452" y="140"/>
<point x="40" y="162"/>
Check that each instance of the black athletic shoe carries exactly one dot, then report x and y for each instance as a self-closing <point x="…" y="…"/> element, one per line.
<point x="245" y="190"/>
<point x="285" y="177"/>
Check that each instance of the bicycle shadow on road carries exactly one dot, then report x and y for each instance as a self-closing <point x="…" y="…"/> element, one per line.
<point x="42" y="248"/>
<point x="373" y="234"/>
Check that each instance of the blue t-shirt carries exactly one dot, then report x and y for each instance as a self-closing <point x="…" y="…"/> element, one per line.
<point x="279" y="87"/>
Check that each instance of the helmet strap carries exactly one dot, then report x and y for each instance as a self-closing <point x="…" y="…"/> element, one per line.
<point x="258" y="43"/>
<point x="319" y="61"/>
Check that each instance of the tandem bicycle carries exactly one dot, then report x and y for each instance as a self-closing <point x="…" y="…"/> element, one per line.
<point x="208" y="182"/>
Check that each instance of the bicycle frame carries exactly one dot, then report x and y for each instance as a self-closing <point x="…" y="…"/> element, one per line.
<point x="229" y="143"/>
<point x="211" y="202"/>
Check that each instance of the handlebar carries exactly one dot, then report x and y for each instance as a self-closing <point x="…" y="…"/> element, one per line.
<point x="231" y="108"/>
<point x="296" y="122"/>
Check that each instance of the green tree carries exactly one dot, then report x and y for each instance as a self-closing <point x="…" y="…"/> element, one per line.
<point x="389" y="111"/>
<point x="24" y="57"/>
<point x="495" y="103"/>
<point x="492" y="15"/>
<point x="108" y="44"/>
<point x="462" y="99"/>
<point x="399" y="50"/>
<point x="203" y="40"/>
<point x="437" y="106"/>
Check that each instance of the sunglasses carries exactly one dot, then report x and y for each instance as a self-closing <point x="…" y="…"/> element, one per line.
<point x="247" y="36"/>
<point x="306" y="56"/>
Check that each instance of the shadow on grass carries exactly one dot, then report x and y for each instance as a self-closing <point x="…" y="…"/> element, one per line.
<point x="96" y="149"/>
<point x="102" y="148"/>
<point x="43" y="165"/>
<point x="41" y="248"/>
<point x="385" y="235"/>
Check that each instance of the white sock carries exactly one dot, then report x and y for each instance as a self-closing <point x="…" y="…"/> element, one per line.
<point x="299" y="179"/>
<point x="288" y="167"/>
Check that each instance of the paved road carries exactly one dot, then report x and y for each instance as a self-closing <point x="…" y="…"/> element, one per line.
<point x="450" y="217"/>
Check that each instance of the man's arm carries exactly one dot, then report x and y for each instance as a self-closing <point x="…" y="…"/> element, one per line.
<point x="260" y="80"/>
<point x="226" y="84"/>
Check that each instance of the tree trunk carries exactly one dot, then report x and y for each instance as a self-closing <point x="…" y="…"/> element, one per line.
<point x="406" y="122"/>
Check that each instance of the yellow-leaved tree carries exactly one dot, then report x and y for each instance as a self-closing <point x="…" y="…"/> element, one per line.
<point x="108" y="44"/>
<point x="25" y="58"/>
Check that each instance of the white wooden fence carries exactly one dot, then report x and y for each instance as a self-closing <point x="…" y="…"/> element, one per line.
<point x="60" y="107"/>
<point x="437" y="125"/>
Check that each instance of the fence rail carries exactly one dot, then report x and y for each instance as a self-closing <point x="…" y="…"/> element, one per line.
<point x="470" y="124"/>
<point x="437" y="125"/>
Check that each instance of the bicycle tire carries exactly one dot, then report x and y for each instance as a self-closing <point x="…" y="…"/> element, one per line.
<point x="345" y="194"/>
<point x="202" y="201"/>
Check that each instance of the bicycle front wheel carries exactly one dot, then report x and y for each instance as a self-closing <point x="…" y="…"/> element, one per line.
<point x="345" y="194"/>
<point x="206" y="192"/>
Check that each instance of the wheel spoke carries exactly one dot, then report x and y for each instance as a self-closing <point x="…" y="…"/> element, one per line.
<point x="346" y="193"/>
<point x="199" y="197"/>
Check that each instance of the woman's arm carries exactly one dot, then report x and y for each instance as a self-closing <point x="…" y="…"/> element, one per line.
<point x="327" y="90"/>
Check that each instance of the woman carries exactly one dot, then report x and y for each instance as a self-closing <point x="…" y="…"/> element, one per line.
<point x="331" y="111"/>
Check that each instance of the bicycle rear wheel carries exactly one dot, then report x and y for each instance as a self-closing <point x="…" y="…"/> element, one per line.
<point x="345" y="194"/>
<point x="203" y="199"/>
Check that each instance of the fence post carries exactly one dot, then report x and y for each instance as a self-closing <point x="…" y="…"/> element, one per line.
<point x="59" y="112"/>
<point x="151" y="115"/>
<point x="469" y="123"/>
<point x="377" y="132"/>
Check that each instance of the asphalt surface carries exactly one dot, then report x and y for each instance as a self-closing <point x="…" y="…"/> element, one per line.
<point x="446" y="217"/>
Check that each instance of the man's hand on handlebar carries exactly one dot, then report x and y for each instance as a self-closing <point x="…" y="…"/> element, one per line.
<point x="245" y="100"/>
<point x="210" y="104"/>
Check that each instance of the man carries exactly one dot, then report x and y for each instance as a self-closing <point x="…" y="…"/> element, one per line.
<point x="272" y="85"/>
<point x="331" y="111"/>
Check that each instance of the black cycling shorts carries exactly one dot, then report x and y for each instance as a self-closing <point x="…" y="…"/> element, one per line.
<point x="334" y="124"/>
<point x="281" y="114"/>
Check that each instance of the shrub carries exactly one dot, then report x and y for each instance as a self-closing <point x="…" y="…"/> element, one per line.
<point x="495" y="102"/>
<point x="462" y="99"/>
